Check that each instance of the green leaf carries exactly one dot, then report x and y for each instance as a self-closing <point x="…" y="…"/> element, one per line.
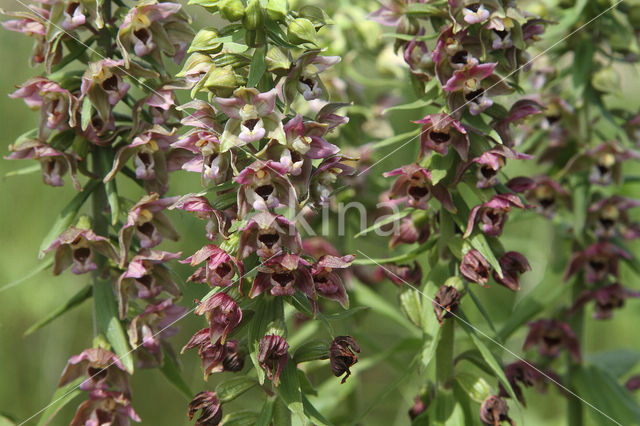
<point x="314" y="415"/>
<point x="476" y="387"/>
<point x="258" y="66"/>
<point x="281" y="414"/>
<point x="289" y="390"/>
<point x="171" y="372"/>
<point x="311" y="350"/>
<point x="61" y="397"/>
<point x="85" y="114"/>
<point x="612" y="401"/>
<point x="367" y="297"/>
<point x="67" y="215"/>
<point x="266" y="311"/>
<point x="106" y="161"/>
<point x="75" y="300"/>
<point x="23" y="171"/>
<point x="411" y="302"/>
<point x="403" y="137"/>
<point x="240" y="418"/>
<point x="582" y="64"/>
<point x="233" y="388"/>
<point x="580" y="197"/>
<point x="109" y="324"/>
<point x="480" y="243"/>
<point x="420" y="103"/>
<point x="41" y="267"/>
<point x="387" y="220"/>
<point x="346" y="313"/>
<point x="266" y="414"/>
<point x="616" y="362"/>
<point x="410" y="255"/>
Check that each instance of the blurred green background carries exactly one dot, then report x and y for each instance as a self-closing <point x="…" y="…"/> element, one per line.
<point x="30" y="366"/>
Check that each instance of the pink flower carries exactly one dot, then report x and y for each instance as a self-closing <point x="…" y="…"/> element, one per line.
<point x="103" y="369"/>
<point x="217" y="221"/>
<point x="223" y="315"/>
<point x="273" y="356"/>
<point x="493" y="214"/>
<point x="439" y="131"/>
<point x="76" y="247"/>
<point x="475" y="268"/>
<point x="220" y="268"/>
<point x="268" y="234"/>
<point x="414" y="187"/>
<point x="551" y="336"/>
<point x="327" y="281"/>
<point x="264" y="186"/>
<point x="598" y="260"/>
<point x="282" y="275"/>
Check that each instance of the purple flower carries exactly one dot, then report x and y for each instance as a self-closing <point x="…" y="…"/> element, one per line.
<point x="153" y="326"/>
<point x="518" y="111"/>
<point x="252" y="116"/>
<point x="223" y="315"/>
<point x="598" y="260"/>
<point x="105" y="408"/>
<point x="268" y="234"/>
<point x="475" y="14"/>
<point x="390" y="13"/>
<point x="400" y="274"/>
<point x="475" y="268"/>
<point x="303" y="76"/>
<point x="76" y="247"/>
<point x="273" y="356"/>
<point x="149" y="224"/>
<point x="54" y="164"/>
<point x="414" y="186"/>
<point x="146" y="278"/>
<point x="283" y="275"/>
<point x="522" y="372"/>
<point x="342" y="355"/>
<point x="102" y="368"/>
<point x="611" y="218"/>
<point x="446" y="302"/>
<point x="148" y="150"/>
<point x="606" y="299"/>
<point x="490" y="162"/>
<point x="605" y="162"/>
<point x="103" y="84"/>
<point x="409" y="232"/>
<point x="217" y="221"/>
<point x="264" y="187"/>
<point x="152" y="27"/>
<point x="543" y="192"/>
<point x="550" y="336"/>
<point x="326" y="175"/>
<point x="494" y="410"/>
<point x="209" y="161"/>
<point x="57" y="105"/>
<point x="160" y="103"/>
<point x="493" y="214"/>
<point x="215" y="357"/>
<point x="211" y="409"/>
<point x="439" y="131"/>
<point x="419" y="59"/>
<point x="513" y="264"/>
<point x="220" y="268"/>
<point x="327" y="280"/>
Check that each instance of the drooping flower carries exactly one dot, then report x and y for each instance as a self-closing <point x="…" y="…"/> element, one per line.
<point x="146" y="278"/>
<point x="215" y="357"/>
<point x="103" y="369"/>
<point x="525" y="373"/>
<point x="273" y="356"/>
<point x="604" y="162"/>
<point x="34" y="24"/>
<point x="494" y="410"/>
<point x="401" y="274"/>
<point x="446" y="302"/>
<point x="303" y="76"/>
<point x="467" y="86"/>
<point x="410" y="231"/>
<point x="606" y="299"/>
<point x="611" y="218"/>
<point x="490" y="162"/>
<point x="210" y="409"/>
<point x="517" y="113"/>
<point x="598" y="260"/>
<point x="493" y="214"/>
<point x="543" y="192"/>
<point x="512" y="264"/>
<point x="206" y="157"/>
<point x="220" y="268"/>
<point x="342" y="355"/>
<point x="439" y="131"/>
<point x="268" y="234"/>
<point x="414" y="186"/>
<point x="102" y="83"/>
<point x="223" y="315"/>
<point x="323" y="178"/>
<point x="551" y="336"/>
<point x="252" y="116"/>
<point x="264" y="186"/>
<point x="147" y="221"/>
<point x="217" y="221"/>
<point x="105" y="408"/>
<point x="419" y="59"/>
<point x="327" y="280"/>
<point x="76" y="247"/>
<point x="282" y="275"/>
<point x="475" y="268"/>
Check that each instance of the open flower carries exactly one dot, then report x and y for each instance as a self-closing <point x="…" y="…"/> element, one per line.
<point x="273" y="356"/>
<point x="76" y="247"/>
<point x="217" y="222"/>
<point x="606" y="299"/>
<point x="34" y="24"/>
<point x="265" y="186"/>
<point x="410" y="231"/>
<point x="446" y="302"/>
<point x="512" y="264"/>
<point x="598" y="260"/>
<point x="252" y="116"/>
<point x="490" y="162"/>
<point x="493" y="214"/>
<point x="611" y="219"/>
<point x="154" y="325"/>
<point x="342" y="355"/>
<point x="283" y="275"/>
<point x="215" y="357"/>
<point x="523" y="372"/>
<point x="211" y="409"/>
<point x="466" y="87"/>
<point x="401" y="274"/>
<point x="146" y="278"/>
<point x="543" y="192"/>
<point x="439" y="131"/>
<point x="223" y="315"/>
<point x="268" y="234"/>
<point x="220" y="268"/>
<point x="103" y="370"/>
<point x="147" y="221"/>
<point x="206" y="159"/>
<point x="303" y="76"/>
<point x="414" y="186"/>
<point x="551" y="336"/>
<point x="102" y="82"/>
<point x="604" y="162"/>
<point x="475" y="268"/>
<point x="105" y="408"/>
<point x="327" y="280"/>
<point x="494" y="410"/>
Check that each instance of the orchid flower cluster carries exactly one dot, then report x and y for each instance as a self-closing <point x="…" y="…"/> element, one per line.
<point x="263" y="164"/>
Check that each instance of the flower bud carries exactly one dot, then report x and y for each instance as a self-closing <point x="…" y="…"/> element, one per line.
<point x="277" y="9"/>
<point x="277" y="61"/>
<point x="231" y="10"/>
<point x="606" y="80"/>
<point x="222" y="81"/>
<point x="301" y="31"/>
<point x="253" y="16"/>
<point x="205" y="42"/>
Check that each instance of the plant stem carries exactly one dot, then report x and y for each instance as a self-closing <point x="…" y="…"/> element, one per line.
<point x="574" y="405"/>
<point x="444" y="354"/>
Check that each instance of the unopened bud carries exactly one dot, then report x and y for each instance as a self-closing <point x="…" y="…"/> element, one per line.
<point x="206" y="41"/>
<point x="253" y="16"/>
<point x="222" y="81"/>
<point x="277" y="9"/>
<point x="231" y="10"/>
<point x="301" y="30"/>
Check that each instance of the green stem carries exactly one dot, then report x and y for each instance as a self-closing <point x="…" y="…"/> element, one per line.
<point x="574" y="405"/>
<point x="444" y="354"/>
